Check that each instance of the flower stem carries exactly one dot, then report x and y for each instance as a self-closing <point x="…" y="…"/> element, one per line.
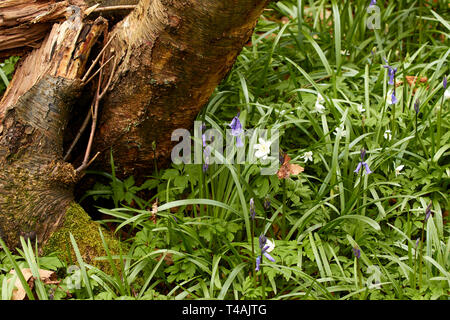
<point x="253" y="253"/>
<point x="283" y="224"/>
<point x="420" y="254"/>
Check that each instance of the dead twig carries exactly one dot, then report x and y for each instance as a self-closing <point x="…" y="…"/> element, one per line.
<point x="97" y="58"/>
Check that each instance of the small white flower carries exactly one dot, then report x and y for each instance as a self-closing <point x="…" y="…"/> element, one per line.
<point x="319" y="107"/>
<point x="447" y="94"/>
<point x="263" y="149"/>
<point x="271" y="245"/>
<point x="320" y="99"/>
<point x="340" y="132"/>
<point x="360" y="108"/>
<point x="308" y="156"/>
<point x="345" y="52"/>
<point x="398" y="169"/>
<point x="388" y="135"/>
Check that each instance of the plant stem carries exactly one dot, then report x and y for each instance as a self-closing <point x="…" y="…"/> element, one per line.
<point x="283" y="224"/>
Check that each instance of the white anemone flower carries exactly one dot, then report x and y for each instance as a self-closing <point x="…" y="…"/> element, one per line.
<point x="319" y="107"/>
<point x="447" y="94"/>
<point x="340" y="132"/>
<point x="388" y="135"/>
<point x="262" y="149"/>
<point x="308" y="156"/>
<point x="270" y="244"/>
<point x="398" y="169"/>
<point x="360" y="108"/>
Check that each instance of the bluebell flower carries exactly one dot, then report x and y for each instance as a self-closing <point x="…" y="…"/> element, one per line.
<point x="356" y="252"/>
<point x="373" y="2"/>
<point x="391" y="72"/>
<point x="444" y="82"/>
<point x="236" y="130"/>
<point x="206" y="153"/>
<point x="428" y="212"/>
<point x="362" y="163"/>
<point x="417" y="106"/>
<point x="417" y="242"/>
<point x="252" y="208"/>
<point x="266" y="204"/>
<point x="203" y="135"/>
<point x="393" y="99"/>
<point x="266" y="246"/>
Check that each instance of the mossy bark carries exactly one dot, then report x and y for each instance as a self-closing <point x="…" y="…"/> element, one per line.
<point x="36" y="185"/>
<point x="87" y="236"/>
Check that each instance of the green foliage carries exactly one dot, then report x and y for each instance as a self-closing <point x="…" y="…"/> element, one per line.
<point x="201" y="241"/>
<point x="6" y="71"/>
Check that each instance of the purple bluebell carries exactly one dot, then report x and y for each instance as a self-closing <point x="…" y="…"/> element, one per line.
<point x="252" y="208"/>
<point x="362" y="163"/>
<point x="417" y="106"/>
<point x="393" y="98"/>
<point x="391" y="72"/>
<point x="373" y="2"/>
<point x="266" y="204"/>
<point x="417" y="242"/>
<point x="236" y="130"/>
<point x="204" y="134"/>
<point x="444" y="82"/>
<point x="428" y="212"/>
<point x="356" y="252"/>
<point x="263" y="247"/>
<point x="206" y="153"/>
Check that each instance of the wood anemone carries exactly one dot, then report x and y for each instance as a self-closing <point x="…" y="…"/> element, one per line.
<point x="159" y="68"/>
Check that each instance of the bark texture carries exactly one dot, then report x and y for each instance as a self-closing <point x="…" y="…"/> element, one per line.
<point x="25" y="23"/>
<point x="35" y="184"/>
<point x="168" y="65"/>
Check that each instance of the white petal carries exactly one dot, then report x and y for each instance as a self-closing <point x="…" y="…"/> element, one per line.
<point x="259" y="154"/>
<point x="271" y="245"/>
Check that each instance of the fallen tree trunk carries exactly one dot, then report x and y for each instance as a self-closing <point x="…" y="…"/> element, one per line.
<point x="166" y="58"/>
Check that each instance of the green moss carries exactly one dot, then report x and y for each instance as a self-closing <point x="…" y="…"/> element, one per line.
<point x="87" y="236"/>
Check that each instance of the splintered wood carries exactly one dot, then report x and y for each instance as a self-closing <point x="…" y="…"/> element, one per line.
<point x="63" y="53"/>
<point x="25" y="23"/>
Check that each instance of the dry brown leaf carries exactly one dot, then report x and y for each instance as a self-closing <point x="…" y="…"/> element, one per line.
<point x="413" y="81"/>
<point x="19" y="292"/>
<point x="288" y="169"/>
<point x="154" y="211"/>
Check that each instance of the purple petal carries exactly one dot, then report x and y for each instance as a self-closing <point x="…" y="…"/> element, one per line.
<point x="262" y="241"/>
<point x="368" y="171"/>
<point x="444" y="82"/>
<point x="236" y="126"/>
<point x="258" y="262"/>
<point x="268" y="256"/>
<point x="394" y="98"/>
<point x="358" y="167"/>
<point x="363" y="153"/>
<point x="239" y="142"/>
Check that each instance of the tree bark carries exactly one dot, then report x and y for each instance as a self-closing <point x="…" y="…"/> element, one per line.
<point x="166" y="59"/>
<point x="168" y="65"/>
<point x="35" y="184"/>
